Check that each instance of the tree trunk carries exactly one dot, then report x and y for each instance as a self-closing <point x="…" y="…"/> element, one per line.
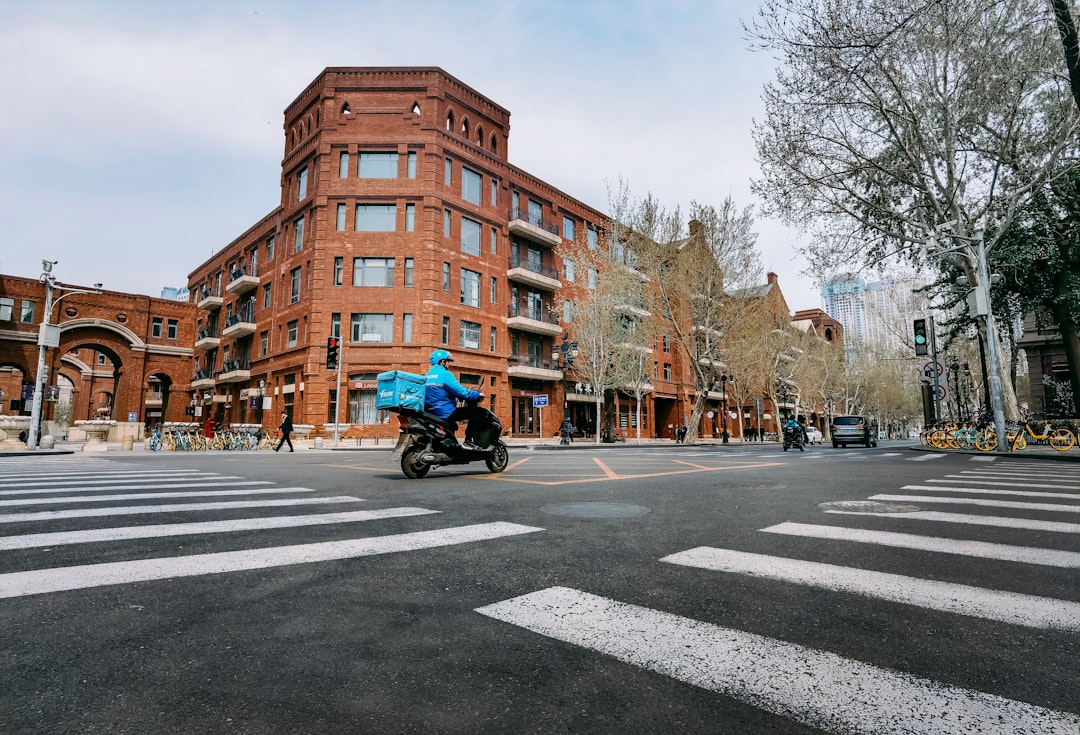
<point x="1067" y="29"/>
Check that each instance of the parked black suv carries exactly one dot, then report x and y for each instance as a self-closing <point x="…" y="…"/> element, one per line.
<point x="853" y="430"/>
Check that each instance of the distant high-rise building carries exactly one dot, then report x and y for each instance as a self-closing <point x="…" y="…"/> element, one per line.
<point x="176" y="294"/>
<point x="873" y="313"/>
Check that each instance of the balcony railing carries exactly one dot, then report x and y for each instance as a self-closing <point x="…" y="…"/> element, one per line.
<point x="208" y="333"/>
<point x="244" y="314"/>
<point x="245" y="270"/>
<point x="240" y="363"/>
<point x="537" y="314"/>
<point x="535" y="221"/>
<point x="530" y="265"/>
<point x="532" y="361"/>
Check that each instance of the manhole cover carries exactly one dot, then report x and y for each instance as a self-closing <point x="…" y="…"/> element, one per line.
<point x="596" y="510"/>
<point x="868" y="506"/>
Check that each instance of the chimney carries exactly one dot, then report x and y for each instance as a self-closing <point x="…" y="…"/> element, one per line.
<point x="770" y="277"/>
<point x="695" y="227"/>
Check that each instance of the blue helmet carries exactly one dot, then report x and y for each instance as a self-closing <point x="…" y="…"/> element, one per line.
<point x="439" y="355"/>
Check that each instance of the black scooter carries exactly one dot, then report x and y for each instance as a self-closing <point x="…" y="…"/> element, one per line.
<point x="794" y="438"/>
<point x="428" y="441"/>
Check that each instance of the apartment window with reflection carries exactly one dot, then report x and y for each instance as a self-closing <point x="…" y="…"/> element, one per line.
<point x="494" y="289"/>
<point x="568" y="311"/>
<point x="568" y="228"/>
<point x="409" y="268"/>
<point x="410" y="217"/>
<point x="536" y="212"/>
<point x="446" y="223"/>
<point x="667" y="344"/>
<point x="594" y="278"/>
<point x="376" y="217"/>
<point x="494" y="240"/>
<point x="594" y="239"/>
<point x="270" y="249"/>
<point x="494" y="192"/>
<point x="406" y="328"/>
<point x="26" y="315"/>
<point x="343" y="165"/>
<point x="335" y="324"/>
<point x="298" y="235"/>
<point x="341" y="217"/>
<point x="515" y="198"/>
<point x="301" y="185"/>
<point x="667" y="371"/>
<point x="448" y="172"/>
<point x="470" y="335"/>
<point x="446" y="330"/>
<point x="373" y="271"/>
<point x="471" y="182"/>
<point x="568" y="269"/>
<point x="264" y="343"/>
<point x="293" y="328"/>
<point x="266" y="295"/>
<point x="373" y="328"/>
<point x="470" y="287"/>
<point x="172" y="329"/>
<point x="378" y="165"/>
<point x="492" y="341"/>
<point x="470" y="236"/>
<point x="446" y="276"/>
<point x="156" y="326"/>
<point x="411" y="165"/>
<point x="294" y="284"/>
<point x="339" y="270"/>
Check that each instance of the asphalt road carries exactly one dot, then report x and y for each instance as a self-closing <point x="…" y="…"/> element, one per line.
<point x="623" y="590"/>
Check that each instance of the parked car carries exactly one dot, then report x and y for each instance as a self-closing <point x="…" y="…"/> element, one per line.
<point x="853" y="430"/>
<point x="813" y="435"/>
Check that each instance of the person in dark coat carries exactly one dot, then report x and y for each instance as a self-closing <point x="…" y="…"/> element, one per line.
<point x="286" y="430"/>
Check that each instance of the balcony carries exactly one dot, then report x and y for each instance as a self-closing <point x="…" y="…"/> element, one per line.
<point x="535" y="274"/>
<point x="240" y="323"/>
<point x="637" y="310"/>
<point x="235" y="371"/>
<point x="210" y="299"/>
<point x="535" y="320"/>
<point x="203" y="379"/>
<point x="154" y="398"/>
<point x="242" y="280"/>
<point x="534" y="368"/>
<point x="535" y="229"/>
<point x="208" y="339"/>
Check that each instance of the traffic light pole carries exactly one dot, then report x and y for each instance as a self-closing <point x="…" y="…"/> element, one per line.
<point x="933" y="356"/>
<point x="337" y="403"/>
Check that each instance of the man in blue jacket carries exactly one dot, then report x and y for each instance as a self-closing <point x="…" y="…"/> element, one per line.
<point x="442" y="391"/>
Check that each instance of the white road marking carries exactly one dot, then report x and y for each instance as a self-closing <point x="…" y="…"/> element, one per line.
<point x="926" y="457"/>
<point x="984" y="549"/>
<point x="973" y="520"/>
<point x="990" y="491"/>
<point x="55" y="515"/>
<point x="1006" y="607"/>
<point x="995" y="483"/>
<point x="147" y="496"/>
<point x="29" y="478"/>
<point x="155" y="485"/>
<point x="19" y="584"/>
<point x="979" y="501"/>
<point x="60" y="538"/>
<point x="817" y="688"/>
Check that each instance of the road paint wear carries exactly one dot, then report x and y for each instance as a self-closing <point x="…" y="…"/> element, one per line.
<point x="817" y="688"/>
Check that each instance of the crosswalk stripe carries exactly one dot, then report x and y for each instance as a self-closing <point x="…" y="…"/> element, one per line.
<point x="818" y="688"/>
<point x="127" y="510"/>
<point x="984" y="549"/>
<point x="142" y="496"/>
<point x="1008" y="474"/>
<point x="19" y="584"/>
<point x="60" y="538"/>
<point x="99" y="488"/>
<point x="972" y="520"/>
<point x="9" y="479"/>
<point x="990" y="491"/>
<point x="926" y="457"/>
<point x="107" y="481"/>
<point x="980" y="501"/>
<point x="997" y="483"/>
<point x="1006" y="607"/>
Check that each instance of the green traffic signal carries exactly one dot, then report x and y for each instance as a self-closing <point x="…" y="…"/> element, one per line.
<point x="921" y="337"/>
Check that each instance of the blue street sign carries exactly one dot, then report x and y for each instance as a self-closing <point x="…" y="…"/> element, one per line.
<point x="540" y="401"/>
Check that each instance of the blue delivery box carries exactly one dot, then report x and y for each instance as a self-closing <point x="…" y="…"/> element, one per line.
<point x="399" y="389"/>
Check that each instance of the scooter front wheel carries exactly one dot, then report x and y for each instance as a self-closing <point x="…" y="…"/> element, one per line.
<point x="499" y="458"/>
<point x="412" y="465"/>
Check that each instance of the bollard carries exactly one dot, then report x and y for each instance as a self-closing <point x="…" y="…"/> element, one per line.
<point x="127" y="443"/>
<point x="318" y="442"/>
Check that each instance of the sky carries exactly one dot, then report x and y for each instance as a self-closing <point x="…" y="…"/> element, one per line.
<point x="139" y="137"/>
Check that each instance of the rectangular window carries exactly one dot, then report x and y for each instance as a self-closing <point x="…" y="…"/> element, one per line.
<point x="446" y="330"/>
<point x="446" y="223"/>
<point x="568" y="311"/>
<point x="173" y="328"/>
<point x="470" y="236"/>
<point x="568" y="228"/>
<point x="409" y="268"/>
<point x="339" y="270"/>
<point x="373" y="271"/>
<point x="383" y="165"/>
<point x="594" y="278"/>
<point x="376" y="217"/>
<point x="568" y="269"/>
<point x="264" y="343"/>
<point x="410" y="170"/>
<point x="335" y="324"/>
<point x="470" y="335"/>
<point x="362" y="402"/>
<point x="406" y="328"/>
<point x="494" y="240"/>
<point x="343" y="165"/>
<point x="266" y="295"/>
<point x="492" y="340"/>
<point x="594" y="239"/>
<point x="410" y="218"/>
<point x="536" y="213"/>
<point x="471" y="183"/>
<point x="26" y="314"/>
<point x="494" y="289"/>
<point x="494" y="192"/>
<point x="298" y="235"/>
<point x="156" y="325"/>
<point x="470" y="287"/>
<point x="294" y="284"/>
<point x="341" y="217"/>
<point x="373" y="328"/>
<point x="667" y="344"/>
<point x="301" y="185"/>
<point x="270" y="249"/>
<point x="667" y="371"/>
<point x="448" y="172"/>
<point x="516" y="199"/>
<point x="293" y="329"/>
<point x="445" y="276"/>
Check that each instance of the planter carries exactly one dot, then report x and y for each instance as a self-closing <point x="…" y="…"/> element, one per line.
<point x="10" y="428"/>
<point x="96" y="431"/>
<point x="302" y="430"/>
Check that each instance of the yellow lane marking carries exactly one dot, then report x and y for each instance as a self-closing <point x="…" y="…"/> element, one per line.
<point x="497" y="475"/>
<point x="610" y="475"/>
<point x="607" y="470"/>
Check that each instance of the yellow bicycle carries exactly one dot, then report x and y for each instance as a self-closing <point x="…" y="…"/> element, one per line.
<point x="1060" y="439"/>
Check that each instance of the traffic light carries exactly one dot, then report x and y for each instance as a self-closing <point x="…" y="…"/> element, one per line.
<point x="922" y="340"/>
<point x="333" y="346"/>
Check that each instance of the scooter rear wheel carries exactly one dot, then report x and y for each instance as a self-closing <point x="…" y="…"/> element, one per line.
<point x="412" y="465"/>
<point x="499" y="458"/>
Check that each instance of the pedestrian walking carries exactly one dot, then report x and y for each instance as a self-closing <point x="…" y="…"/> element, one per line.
<point x="286" y="429"/>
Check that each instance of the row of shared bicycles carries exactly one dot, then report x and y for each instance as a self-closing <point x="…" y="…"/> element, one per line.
<point x="182" y="436"/>
<point x="982" y="437"/>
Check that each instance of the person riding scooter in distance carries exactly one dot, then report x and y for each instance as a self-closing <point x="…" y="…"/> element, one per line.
<point x="797" y="429"/>
<point x="441" y="392"/>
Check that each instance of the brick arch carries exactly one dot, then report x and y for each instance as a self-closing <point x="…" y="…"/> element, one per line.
<point x="126" y="352"/>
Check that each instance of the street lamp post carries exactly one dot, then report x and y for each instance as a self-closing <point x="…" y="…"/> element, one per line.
<point x="48" y="336"/>
<point x="563" y="354"/>
<point x="723" y="403"/>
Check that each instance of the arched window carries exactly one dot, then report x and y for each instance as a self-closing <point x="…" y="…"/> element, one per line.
<point x="450" y="121"/>
<point x="494" y="144"/>
<point x="480" y="134"/>
<point x="345" y="109"/>
<point x="465" y="127"/>
<point x="416" y="108"/>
